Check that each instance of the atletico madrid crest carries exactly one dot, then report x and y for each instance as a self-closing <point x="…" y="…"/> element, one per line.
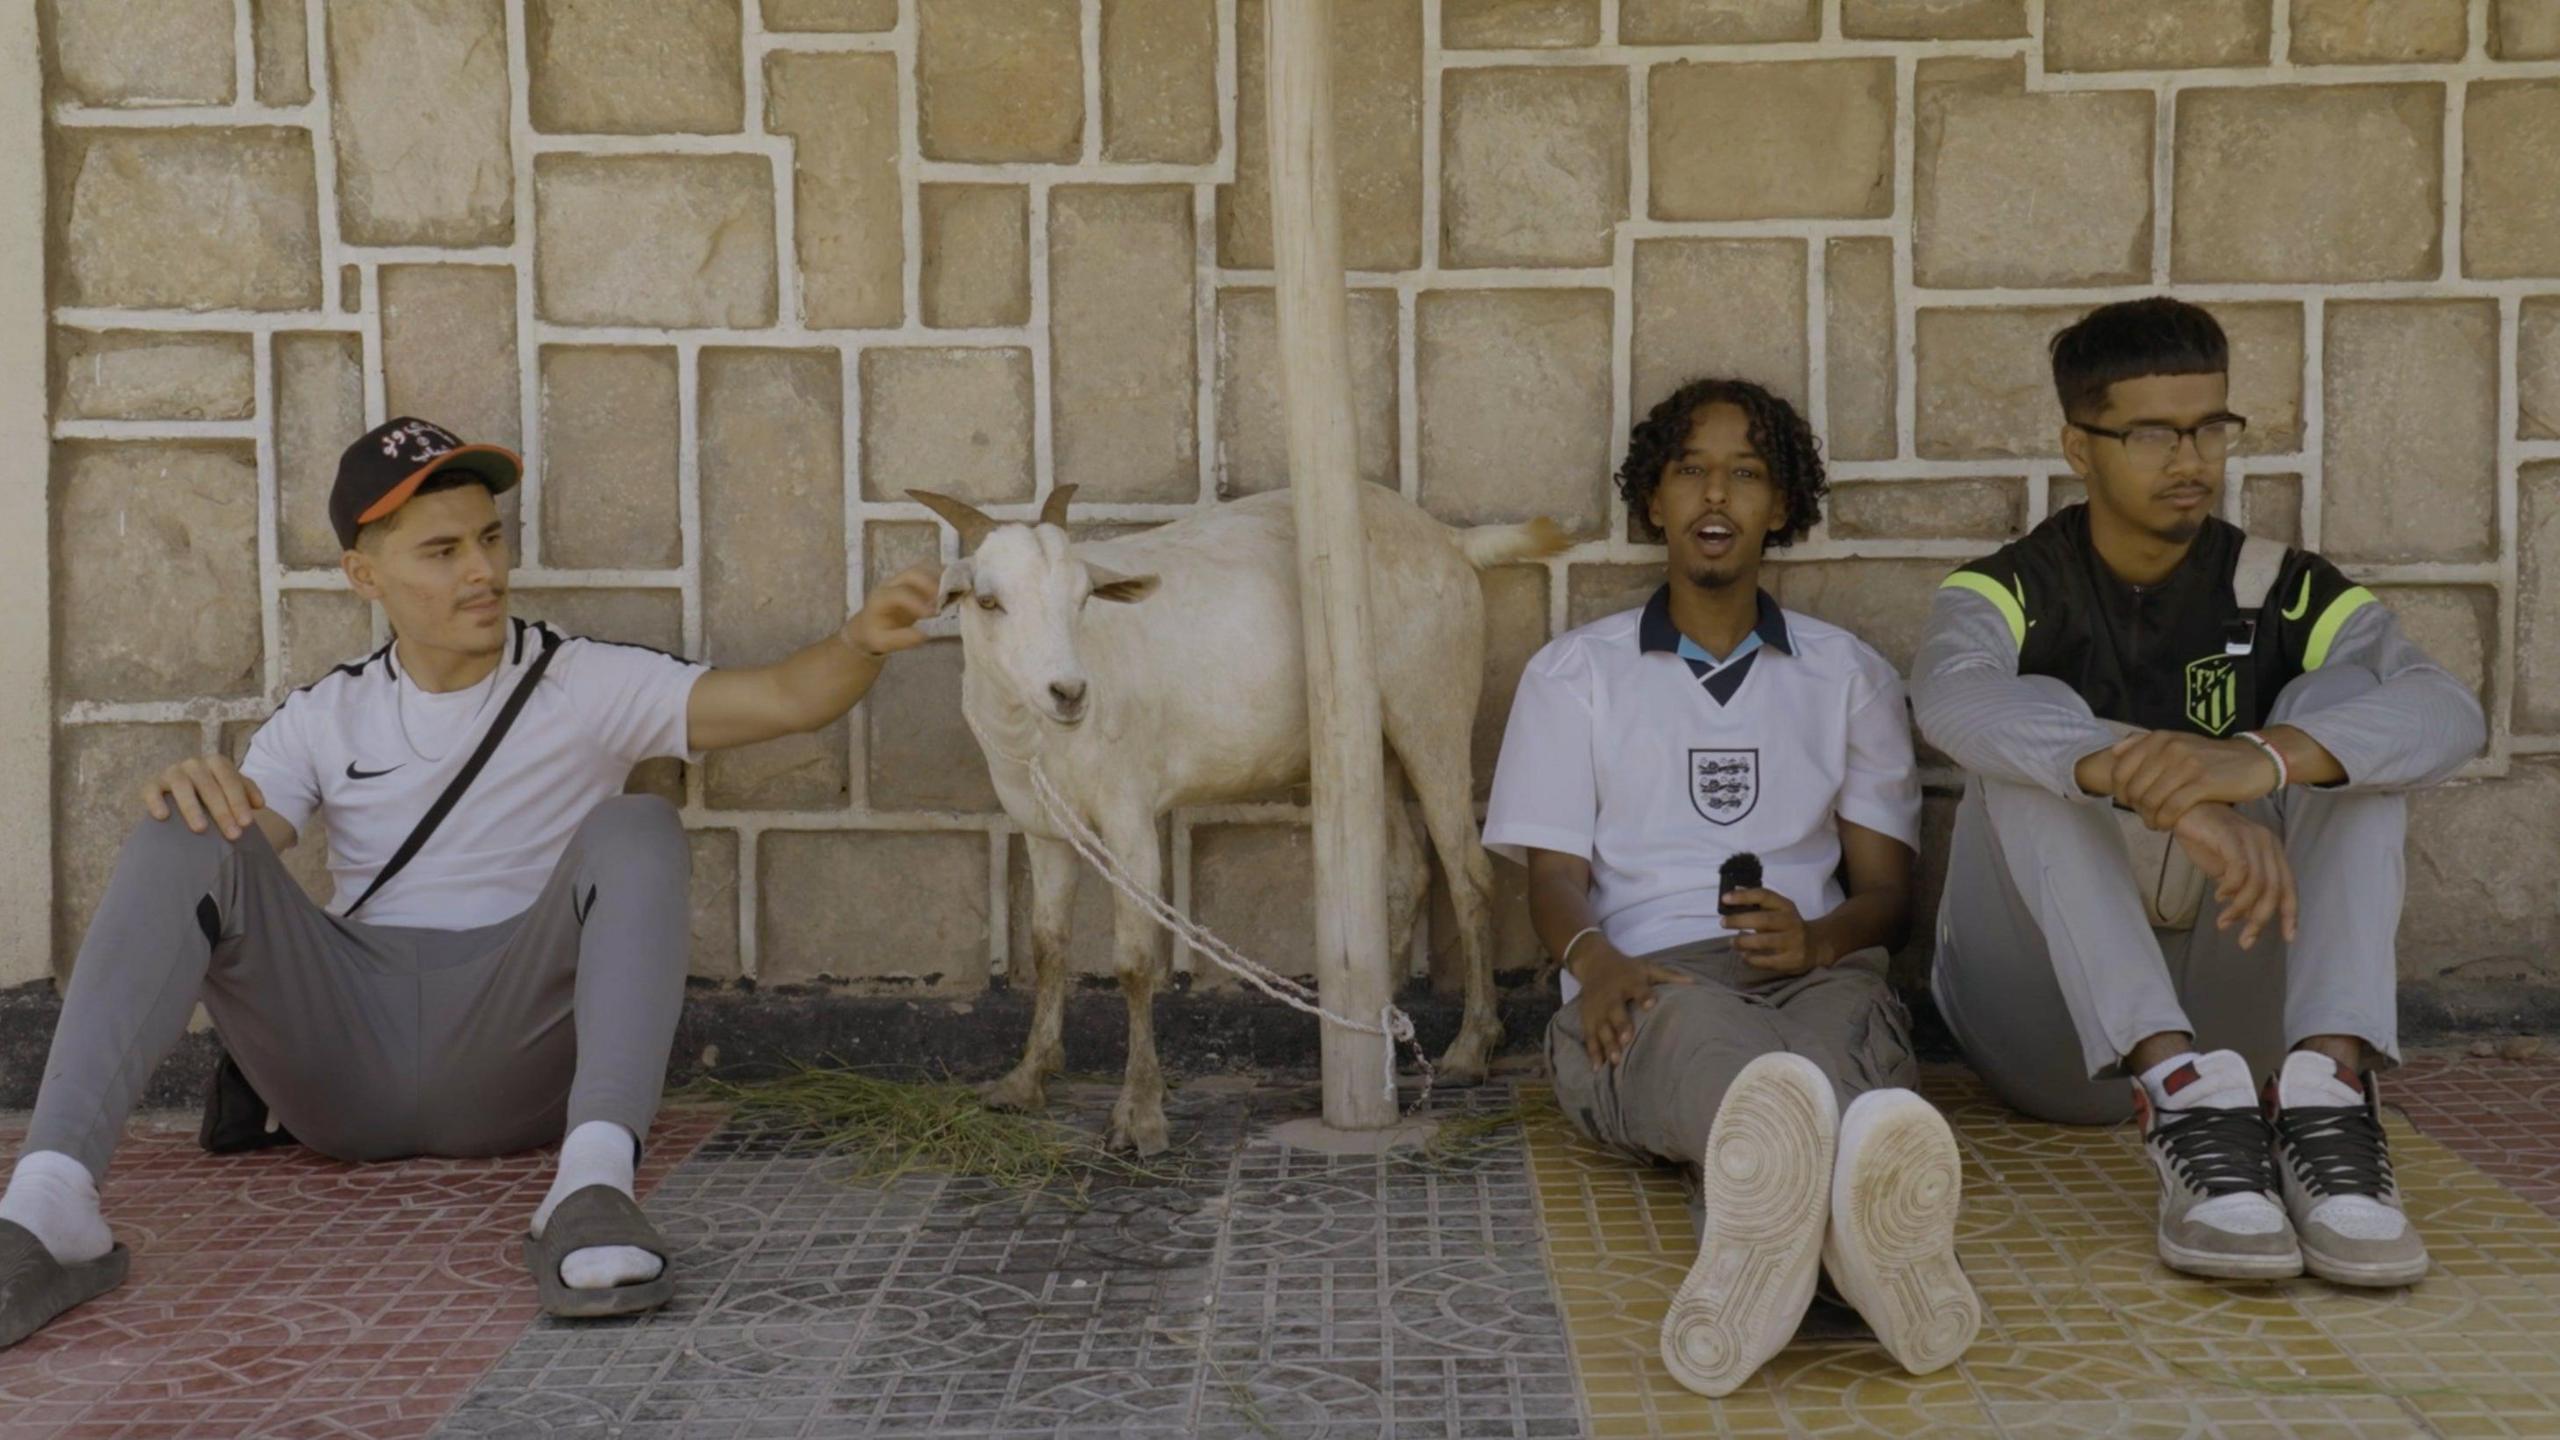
<point x="2213" y="693"/>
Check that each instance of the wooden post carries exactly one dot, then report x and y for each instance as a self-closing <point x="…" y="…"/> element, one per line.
<point x="26" y="602"/>
<point x="1353" y="973"/>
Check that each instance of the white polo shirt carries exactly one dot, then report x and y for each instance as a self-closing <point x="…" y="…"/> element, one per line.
<point x="369" y="751"/>
<point x="1656" y="765"/>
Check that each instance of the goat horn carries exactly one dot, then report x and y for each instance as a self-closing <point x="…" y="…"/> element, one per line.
<point x="1054" y="510"/>
<point x="973" y="524"/>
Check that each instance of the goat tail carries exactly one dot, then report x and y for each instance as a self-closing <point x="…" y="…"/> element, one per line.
<point x="1489" y="545"/>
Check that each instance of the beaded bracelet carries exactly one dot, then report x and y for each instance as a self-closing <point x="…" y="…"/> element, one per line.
<point x="2284" y="772"/>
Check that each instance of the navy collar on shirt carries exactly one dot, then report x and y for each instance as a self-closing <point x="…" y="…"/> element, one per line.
<point x="1722" y="681"/>
<point x="1656" y="632"/>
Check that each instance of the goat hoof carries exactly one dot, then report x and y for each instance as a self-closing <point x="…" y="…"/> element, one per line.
<point x="1452" y="1074"/>
<point x="1018" y="1091"/>
<point x="1467" y="1056"/>
<point x="1142" y="1135"/>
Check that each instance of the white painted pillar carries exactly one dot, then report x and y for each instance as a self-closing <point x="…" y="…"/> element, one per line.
<point x="26" y="607"/>
<point x="1353" y="972"/>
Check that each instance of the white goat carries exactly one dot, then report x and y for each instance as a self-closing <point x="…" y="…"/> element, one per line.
<point x="1199" y="696"/>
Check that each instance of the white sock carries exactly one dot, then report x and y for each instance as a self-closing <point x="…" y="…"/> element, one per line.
<point x="53" y="1195"/>
<point x="2312" y="1079"/>
<point x="598" y="1152"/>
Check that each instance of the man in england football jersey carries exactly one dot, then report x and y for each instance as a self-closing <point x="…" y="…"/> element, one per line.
<point x="2138" y="678"/>
<point x="1725" y="1031"/>
<point x="504" y="960"/>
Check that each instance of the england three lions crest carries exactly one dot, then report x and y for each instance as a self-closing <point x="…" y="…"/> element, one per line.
<point x="1724" y="785"/>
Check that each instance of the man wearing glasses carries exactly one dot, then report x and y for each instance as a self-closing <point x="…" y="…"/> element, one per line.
<point x="2166" y="722"/>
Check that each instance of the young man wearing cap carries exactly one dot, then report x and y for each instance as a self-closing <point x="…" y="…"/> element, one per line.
<point x="1647" y="750"/>
<point x="504" y="960"/>
<point x="2139" y="678"/>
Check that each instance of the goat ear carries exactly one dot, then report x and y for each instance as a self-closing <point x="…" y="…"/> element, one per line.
<point x="1120" y="589"/>
<point x="958" y="579"/>
<point x="973" y="524"/>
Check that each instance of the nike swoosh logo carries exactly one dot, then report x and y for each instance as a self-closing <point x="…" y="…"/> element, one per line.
<point x="2301" y="602"/>
<point x="355" y="774"/>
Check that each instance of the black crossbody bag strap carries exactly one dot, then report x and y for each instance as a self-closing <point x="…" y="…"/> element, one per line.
<point x="498" y="728"/>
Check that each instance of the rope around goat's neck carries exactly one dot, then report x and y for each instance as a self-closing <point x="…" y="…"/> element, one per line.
<point x="1392" y="1022"/>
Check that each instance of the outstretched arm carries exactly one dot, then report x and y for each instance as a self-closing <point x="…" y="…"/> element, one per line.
<point x="740" y="706"/>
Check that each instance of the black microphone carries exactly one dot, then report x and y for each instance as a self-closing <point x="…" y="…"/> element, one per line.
<point x="1740" y="872"/>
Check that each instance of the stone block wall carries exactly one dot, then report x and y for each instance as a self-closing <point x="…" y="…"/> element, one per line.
<point x="737" y="273"/>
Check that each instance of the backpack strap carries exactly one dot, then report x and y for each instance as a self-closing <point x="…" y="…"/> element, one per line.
<point x="2261" y="561"/>
<point x="471" y="768"/>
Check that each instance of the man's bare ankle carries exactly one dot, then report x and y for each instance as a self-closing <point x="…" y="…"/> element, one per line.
<point x="2152" y="1049"/>
<point x="2349" y="1051"/>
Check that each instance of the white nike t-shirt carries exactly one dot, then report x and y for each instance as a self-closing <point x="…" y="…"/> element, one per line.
<point x="368" y="750"/>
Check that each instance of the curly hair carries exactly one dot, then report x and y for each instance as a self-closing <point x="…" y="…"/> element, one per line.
<point x="1780" y="435"/>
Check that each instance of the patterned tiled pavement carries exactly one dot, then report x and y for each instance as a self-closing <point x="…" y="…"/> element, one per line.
<point x="1512" y="1290"/>
<point x="2085" y="1333"/>
<point x="1273" y="1292"/>
<point x="282" y="1294"/>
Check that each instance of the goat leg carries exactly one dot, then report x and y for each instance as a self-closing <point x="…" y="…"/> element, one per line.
<point x="1137" y="1120"/>
<point x="1053" y="893"/>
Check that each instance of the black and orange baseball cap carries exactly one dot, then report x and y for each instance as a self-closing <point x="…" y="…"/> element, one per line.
<point x="378" y="473"/>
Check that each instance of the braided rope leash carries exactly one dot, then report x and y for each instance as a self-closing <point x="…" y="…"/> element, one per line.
<point x="1392" y="1022"/>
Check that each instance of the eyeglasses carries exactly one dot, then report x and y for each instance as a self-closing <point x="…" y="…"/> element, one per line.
<point x="2151" y="446"/>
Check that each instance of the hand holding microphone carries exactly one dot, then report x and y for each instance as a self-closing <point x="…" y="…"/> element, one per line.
<point x="1773" y="935"/>
<point x="1741" y="871"/>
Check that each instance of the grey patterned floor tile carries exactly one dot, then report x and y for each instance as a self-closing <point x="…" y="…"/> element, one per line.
<point x="1266" y="1294"/>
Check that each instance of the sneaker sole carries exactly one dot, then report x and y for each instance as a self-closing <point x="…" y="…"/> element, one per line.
<point x="1767" y="1181"/>
<point x="2212" y="1265"/>
<point x="2372" y="1274"/>
<point x="1893" y="1215"/>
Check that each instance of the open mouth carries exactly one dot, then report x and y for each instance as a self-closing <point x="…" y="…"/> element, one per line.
<point x="1715" y="538"/>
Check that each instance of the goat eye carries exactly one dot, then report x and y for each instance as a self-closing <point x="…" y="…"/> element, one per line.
<point x="991" y="604"/>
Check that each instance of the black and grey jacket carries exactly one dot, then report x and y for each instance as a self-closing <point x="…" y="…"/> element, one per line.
<point x="2183" y="654"/>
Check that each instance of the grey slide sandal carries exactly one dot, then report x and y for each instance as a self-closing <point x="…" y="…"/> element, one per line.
<point x="35" y="1287"/>
<point x="595" y="1216"/>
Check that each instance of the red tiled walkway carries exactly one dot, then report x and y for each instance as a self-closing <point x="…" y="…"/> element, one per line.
<point x="2501" y="1115"/>
<point x="286" y="1295"/>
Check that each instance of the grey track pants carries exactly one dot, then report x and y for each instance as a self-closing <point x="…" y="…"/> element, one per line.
<point x="371" y="1042"/>
<point x="1657" y="1103"/>
<point x="2048" y="971"/>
